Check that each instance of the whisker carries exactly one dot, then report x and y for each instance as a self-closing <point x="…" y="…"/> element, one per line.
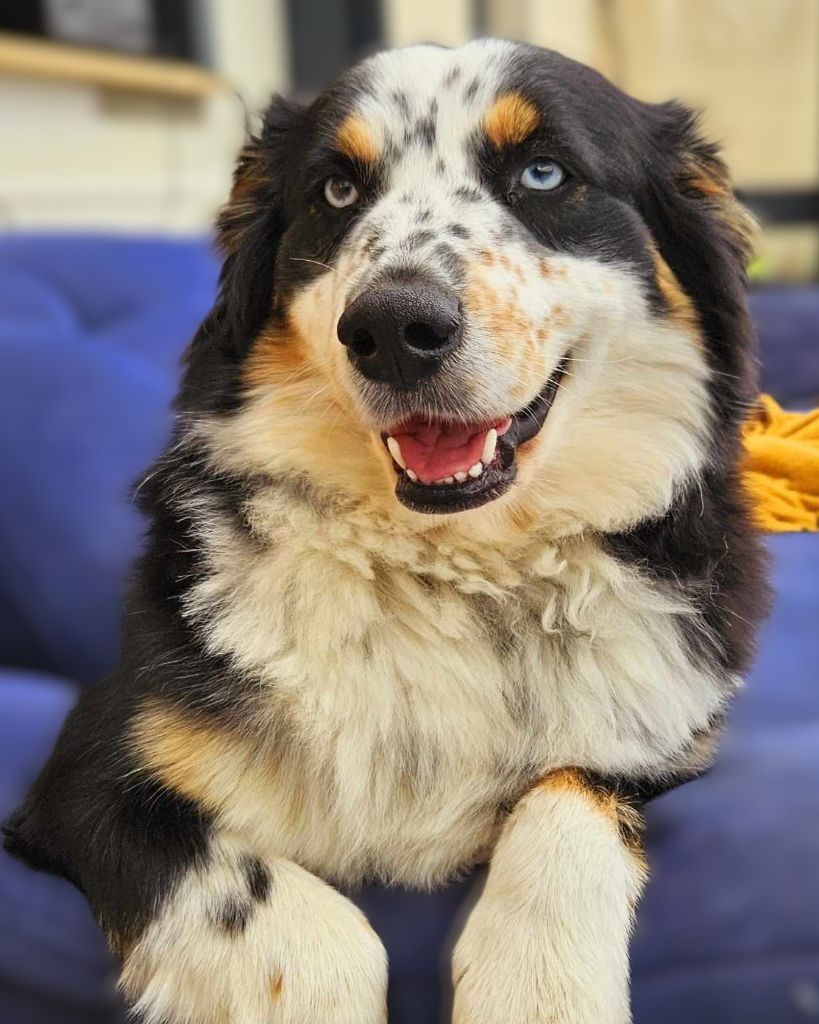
<point x="318" y="263"/>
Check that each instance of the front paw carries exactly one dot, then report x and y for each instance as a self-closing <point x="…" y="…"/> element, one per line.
<point x="520" y="968"/>
<point x="298" y="953"/>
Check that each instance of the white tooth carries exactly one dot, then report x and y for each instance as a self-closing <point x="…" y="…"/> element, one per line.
<point x="395" y="451"/>
<point x="476" y="470"/>
<point x="460" y="476"/>
<point x="412" y="476"/>
<point x="448" y="480"/>
<point x="488" y="452"/>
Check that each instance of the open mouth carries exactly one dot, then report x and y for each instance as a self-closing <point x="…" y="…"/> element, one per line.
<point x="451" y="467"/>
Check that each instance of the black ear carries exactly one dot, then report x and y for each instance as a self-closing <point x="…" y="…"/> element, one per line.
<point x="248" y="231"/>
<point x="706" y="237"/>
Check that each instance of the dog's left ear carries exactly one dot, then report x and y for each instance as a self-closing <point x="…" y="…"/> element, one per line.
<point x="251" y="222"/>
<point x="707" y="239"/>
<point x="248" y="232"/>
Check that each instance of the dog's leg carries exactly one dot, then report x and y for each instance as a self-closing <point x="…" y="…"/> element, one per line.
<point x="246" y="941"/>
<point x="547" y="942"/>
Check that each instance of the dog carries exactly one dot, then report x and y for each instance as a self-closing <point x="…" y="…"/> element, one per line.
<point x="448" y="561"/>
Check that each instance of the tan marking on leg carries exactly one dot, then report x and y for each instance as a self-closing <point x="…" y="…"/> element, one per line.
<point x="626" y="819"/>
<point x="510" y="120"/>
<point x="190" y="755"/>
<point x="357" y="140"/>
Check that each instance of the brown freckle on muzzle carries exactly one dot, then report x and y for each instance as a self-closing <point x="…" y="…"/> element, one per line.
<point x="356" y="140"/>
<point x="510" y="120"/>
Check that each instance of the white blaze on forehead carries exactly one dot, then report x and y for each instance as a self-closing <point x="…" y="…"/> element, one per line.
<point x="403" y="85"/>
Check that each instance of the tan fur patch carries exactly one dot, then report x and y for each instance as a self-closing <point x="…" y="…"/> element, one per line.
<point x="710" y="180"/>
<point x="279" y="353"/>
<point x="510" y="120"/>
<point x="356" y="140"/>
<point x="189" y="755"/>
<point x="626" y="819"/>
<point x="249" y="179"/>
<point x="679" y="303"/>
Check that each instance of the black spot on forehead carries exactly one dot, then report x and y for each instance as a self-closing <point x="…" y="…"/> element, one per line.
<point x="440" y="166"/>
<point x="459" y="231"/>
<point x="424" y="215"/>
<point x="418" y="238"/>
<point x="424" y="132"/>
<point x="471" y="91"/>
<point x="401" y="100"/>
<point x="468" y="193"/>
<point x="452" y="76"/>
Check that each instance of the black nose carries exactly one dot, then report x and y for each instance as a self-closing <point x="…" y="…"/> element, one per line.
<point x="400" y="333"/>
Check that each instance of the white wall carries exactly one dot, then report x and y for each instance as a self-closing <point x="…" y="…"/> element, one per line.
<point x="76" y="156"/>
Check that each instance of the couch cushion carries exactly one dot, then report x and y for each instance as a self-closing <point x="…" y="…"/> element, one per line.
<point x="91" y="332"/>
<point x="783" y="686"/>
<point x="54" y="965"/>
<point x="729" y="926"/>
<point x="106" y="279"/>
<point x="81" y="423"/>
<point x="787" y="322"/>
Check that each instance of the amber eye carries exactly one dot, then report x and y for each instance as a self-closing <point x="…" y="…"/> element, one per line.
<point x="340" y="192"/>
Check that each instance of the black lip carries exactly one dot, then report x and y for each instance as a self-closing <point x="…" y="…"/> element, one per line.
<point x="497" y="478"/>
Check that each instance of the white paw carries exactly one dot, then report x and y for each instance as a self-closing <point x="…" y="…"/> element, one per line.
<point x="518" y="965"/>
<point x="302" y="954"/>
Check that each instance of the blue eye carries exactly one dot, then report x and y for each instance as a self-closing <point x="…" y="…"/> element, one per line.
<point x="543" y="175"/>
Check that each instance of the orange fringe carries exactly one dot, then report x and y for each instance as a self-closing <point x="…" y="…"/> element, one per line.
<point x="781" y="467"/>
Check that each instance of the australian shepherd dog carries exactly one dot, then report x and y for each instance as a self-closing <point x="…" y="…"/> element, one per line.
<point x="447" y="563"/>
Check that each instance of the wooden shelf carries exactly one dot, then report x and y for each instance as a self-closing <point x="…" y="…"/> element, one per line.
<point x="20" y="55"/>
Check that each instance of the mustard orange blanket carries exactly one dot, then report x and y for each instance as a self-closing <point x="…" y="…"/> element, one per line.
<point x="781" y="467"/>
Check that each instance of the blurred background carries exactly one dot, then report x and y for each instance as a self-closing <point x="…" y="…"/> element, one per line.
<point x="126" y="114"/>
<point x="119" y="125"/>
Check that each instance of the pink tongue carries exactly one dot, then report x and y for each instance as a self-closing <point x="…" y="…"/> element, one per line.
<point x="433" y="451"/>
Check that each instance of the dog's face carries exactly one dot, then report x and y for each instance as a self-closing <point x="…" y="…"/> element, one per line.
<point x="456" y="281"/>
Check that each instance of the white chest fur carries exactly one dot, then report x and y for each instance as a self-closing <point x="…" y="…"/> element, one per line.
<point x="416" y="688"/>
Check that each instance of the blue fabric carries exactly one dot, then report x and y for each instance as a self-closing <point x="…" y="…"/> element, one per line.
<point x="787" y="321"/>
<point x="54" y="966"/>
<point x="91" y="330"/>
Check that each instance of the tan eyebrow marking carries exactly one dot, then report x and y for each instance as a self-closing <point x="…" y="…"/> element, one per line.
<point x="356" y="140"/>
<point x="511" y="119"/>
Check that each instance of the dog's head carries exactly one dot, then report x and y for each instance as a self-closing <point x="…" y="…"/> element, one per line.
<point x="478" y="279"/>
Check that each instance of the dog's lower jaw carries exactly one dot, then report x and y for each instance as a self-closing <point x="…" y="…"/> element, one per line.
<point x="547" y="941"/>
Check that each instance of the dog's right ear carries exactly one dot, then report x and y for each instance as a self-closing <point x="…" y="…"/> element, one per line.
<point x="248" y="231"/>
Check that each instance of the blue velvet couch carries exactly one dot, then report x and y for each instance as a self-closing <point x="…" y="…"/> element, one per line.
<point x="91" y="329"/>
